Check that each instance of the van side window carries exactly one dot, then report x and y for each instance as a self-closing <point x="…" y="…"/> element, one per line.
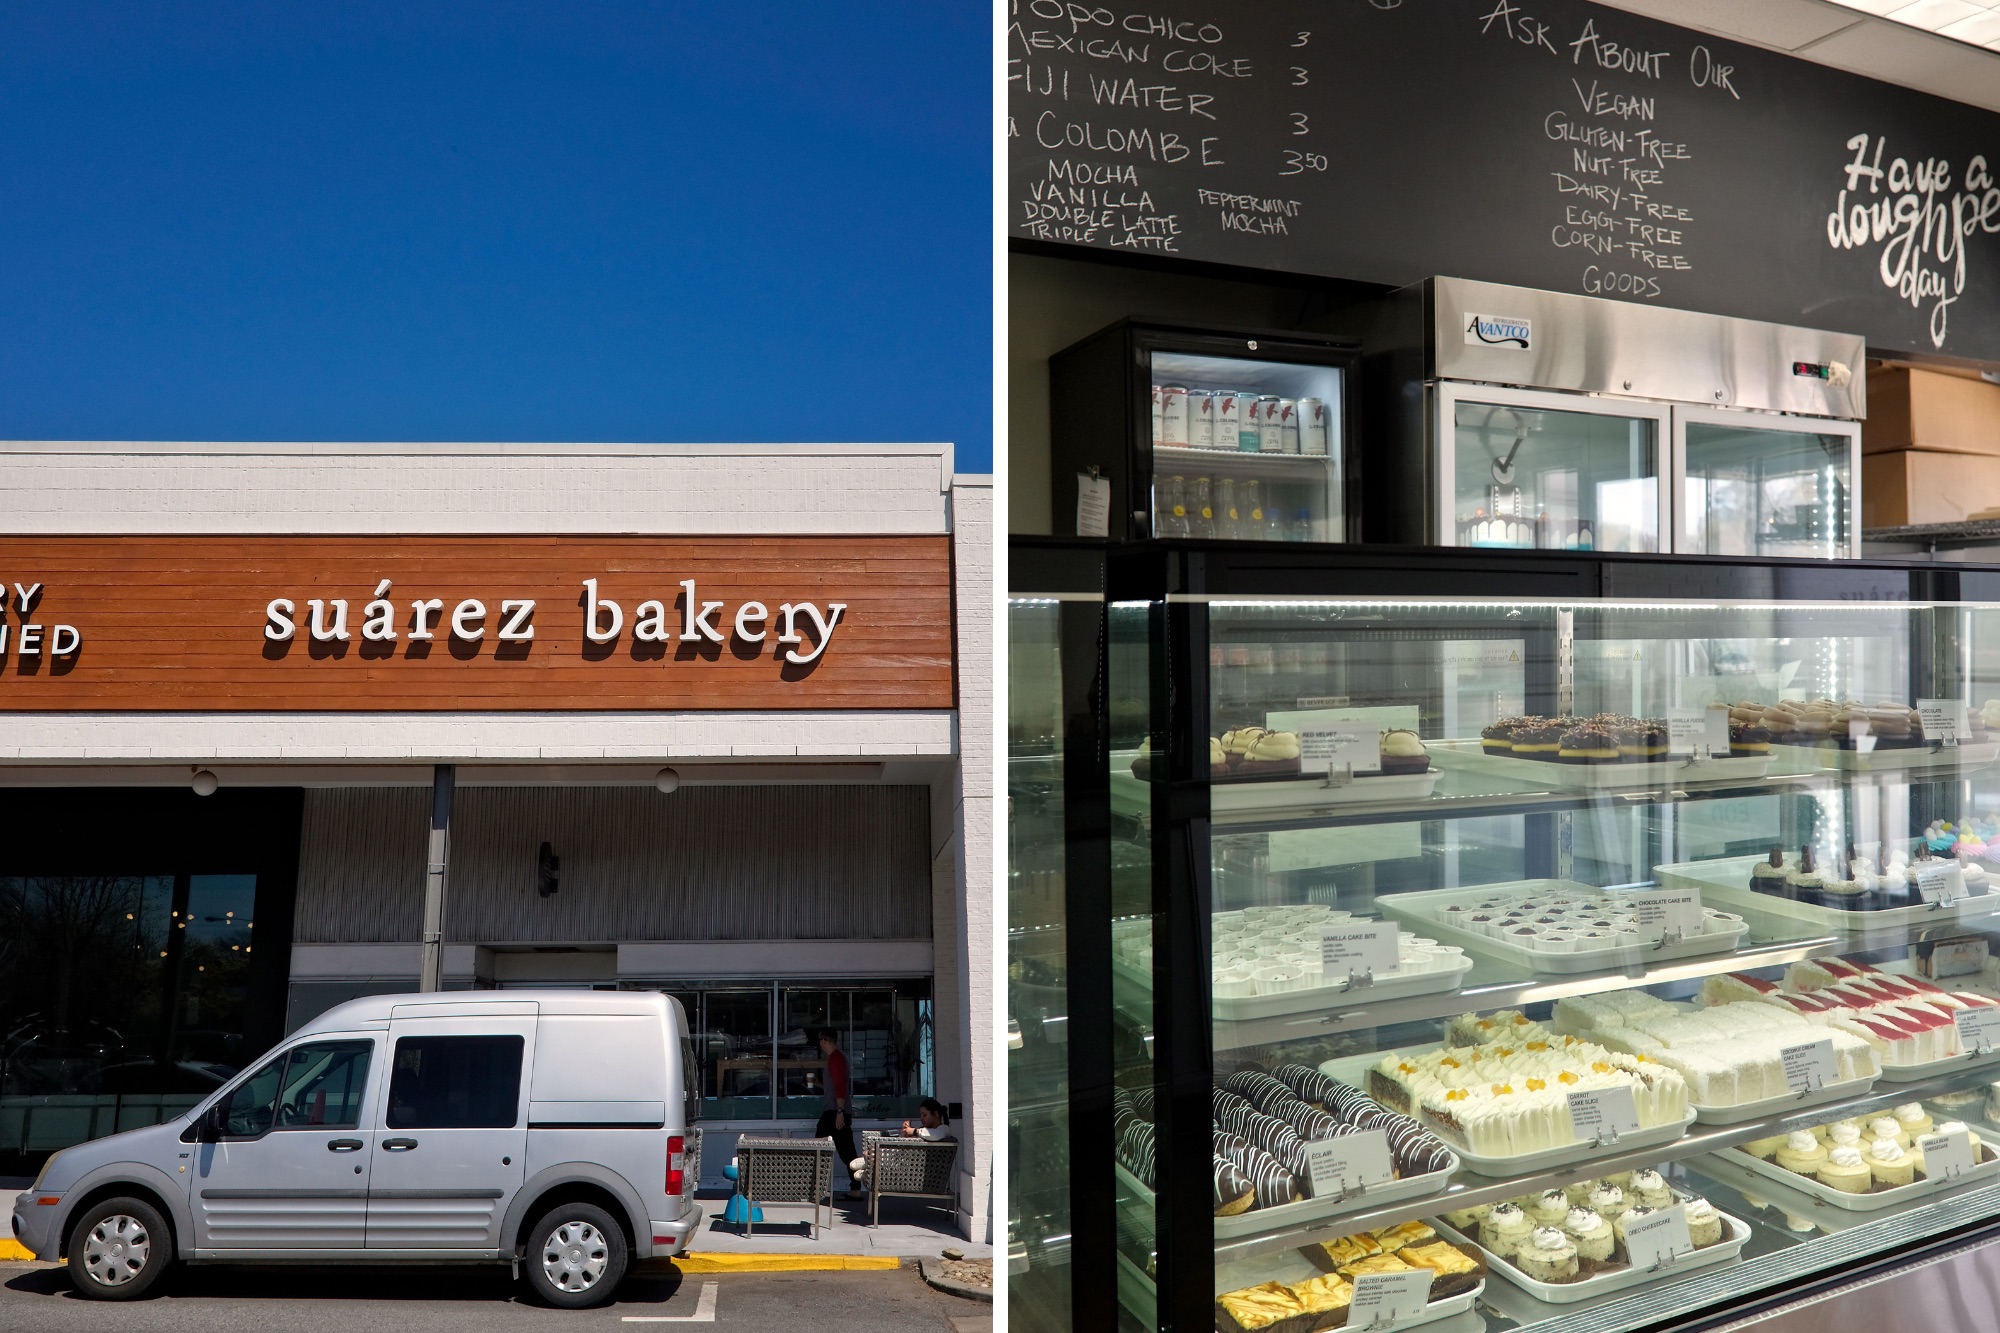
<point x="455" y="1083"/>
<point x="323" y="1085"/>
<point x="246" y="1111"/>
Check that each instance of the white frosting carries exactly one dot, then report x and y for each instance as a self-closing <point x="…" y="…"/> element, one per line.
<point x="1800" y="1140"/>
<point x="1700" y="1210"/>
<point x="1909" y="1113"/>
<point x="1582" y="1219"/>
<point x="1548" y="1238"/>
<point x="1951" y="1127"/>
<point x="1886" y="1151"/>
<point x="1649" y="1179"/>
<point x="1885" y="1128"/>
<point x="1845" y="1157"/>
<point x="1847" y="1136"/>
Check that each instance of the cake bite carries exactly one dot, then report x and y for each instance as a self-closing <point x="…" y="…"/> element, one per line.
<point x="1549" y="1256"/>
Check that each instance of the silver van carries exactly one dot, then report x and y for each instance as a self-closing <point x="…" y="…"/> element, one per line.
<point x="541" y="1128"/>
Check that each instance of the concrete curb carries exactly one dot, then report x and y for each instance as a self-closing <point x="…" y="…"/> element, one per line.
<point x="773" y="1263"/>
<point x="945" y="1284"/>
<point x="13" y="1251"/>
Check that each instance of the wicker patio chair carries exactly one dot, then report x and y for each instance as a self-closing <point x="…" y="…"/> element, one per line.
<point x="908" y="1169"/>
<point x="785" y="1171"/>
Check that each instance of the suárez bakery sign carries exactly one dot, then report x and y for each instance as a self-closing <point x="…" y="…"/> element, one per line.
<point x="276" y="623"/>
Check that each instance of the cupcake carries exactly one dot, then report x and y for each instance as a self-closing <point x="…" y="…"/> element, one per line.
<point x="1625" y="1222"/>
<point x="1769" y="874"/>
<point x="1595" y="1241"/>
<point x="1843" y="1134"/>
<point x="1505" y="1230"/>
<point x="1272" y="753"/>
<point x="1704" y="1222"/>
<point x="1889" y="1164"/>
<point x="1888" y="1127"/>
<point x="1802" y="1154"/>
<point x="1499" y="737"/>
<point x="1403" y="752"/>
<point x="1913" y="1119"/>
<point x="1748" y="741"/>
<point x="1235" y="744"/>
<point x="1468" y="1220"/>
<point x="1549" y="1256"/>
<point x="1608" y="1202"/>
<point x="1765" y="1148"/>
<point x="1650" y="1189"/>
<point x="1587" y="745"/>
<point x="1845" y="1171"/>
<point x="1218" y="760"/>
<point x="1548" y="1209"/>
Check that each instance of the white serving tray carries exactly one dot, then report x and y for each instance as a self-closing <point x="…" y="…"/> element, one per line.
<point x="1725" y="881"/>
<point x="1277" y="796"/>
<point x="1973" y="754"/>
<point x="1735" y="1234"/>
<point x="1353" y="1069"/>
<point x="1425" y="909"/>
<point x="1791" y="1101"/>
<point x="1248" y="1008"/>
<point x="1656" y="774"/>
<point x="1292" y="1266"/>
<point x="1303" y="1212"/>
<point x="1859" y="1203"/>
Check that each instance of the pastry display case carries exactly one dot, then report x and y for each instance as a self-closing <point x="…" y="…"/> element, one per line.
<point x="1544" y="940"/>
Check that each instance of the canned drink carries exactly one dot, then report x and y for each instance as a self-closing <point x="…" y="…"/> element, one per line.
<point x="1312" y="426"/>
<point x="1174" y="416"/>
<point x="1288" y="425"/>
<point x="1201" y="419"/>
<point x="1270" y="425"/>
<point x="1228" y="420"/>
<point x="1246" y="423"/>
<point x="1159" y="402"/>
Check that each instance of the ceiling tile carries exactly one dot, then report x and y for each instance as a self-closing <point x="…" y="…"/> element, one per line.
<point x="1981" y="29"/>
<point x="1931" y="15"/>
<point x="1783" y="24"/>
<point x="1881" y="49"/>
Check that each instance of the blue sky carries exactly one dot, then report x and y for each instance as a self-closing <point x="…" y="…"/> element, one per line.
<point x="497" y="221"/>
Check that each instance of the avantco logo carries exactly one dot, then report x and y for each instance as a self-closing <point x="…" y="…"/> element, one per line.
<point x="1499" y="331"/>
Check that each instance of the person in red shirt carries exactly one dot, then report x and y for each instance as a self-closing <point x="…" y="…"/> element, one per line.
<point x="837" y="1120"/>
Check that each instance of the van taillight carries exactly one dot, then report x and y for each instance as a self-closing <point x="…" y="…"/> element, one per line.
<point x="676" y="1164"/>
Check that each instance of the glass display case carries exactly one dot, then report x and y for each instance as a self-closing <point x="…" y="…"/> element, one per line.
<point x="1548" y="941"/>
<point x="1199" y="433"/>
<point x="1753" y="484"/>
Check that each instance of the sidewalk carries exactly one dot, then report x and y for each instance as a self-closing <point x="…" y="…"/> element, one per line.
<point x="911" y="1228"/>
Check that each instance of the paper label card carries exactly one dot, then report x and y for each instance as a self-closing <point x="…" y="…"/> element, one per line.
<point x="1349" y="1164"/>
<point x="1946" y="1156"/>
<point x="1945" y="720"/>
<point x="1664" y="912"/>
<point x="1341" y="745"/>
<point x="1809" y="1066"/>
<point x="1978" y="1029"/>
<point x="1383" y="1298"/>
<point x="1659" y="1239"/>
<point x="1939" y="881"/>
<point x="1698" y="733"/>
<point x="1093" y="506"/>
<point x="1351" y="948"/>
<point x="1603" y="1113"/>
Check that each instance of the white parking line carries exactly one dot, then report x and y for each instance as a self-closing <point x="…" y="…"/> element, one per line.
<point x="704" y="1311"/>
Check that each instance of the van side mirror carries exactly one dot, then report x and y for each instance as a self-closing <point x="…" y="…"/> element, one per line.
<point x="209" y="1128"/>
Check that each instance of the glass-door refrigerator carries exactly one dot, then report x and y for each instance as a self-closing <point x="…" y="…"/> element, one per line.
<point x="1162" y="431"/>
<point x="1544" y="421"/>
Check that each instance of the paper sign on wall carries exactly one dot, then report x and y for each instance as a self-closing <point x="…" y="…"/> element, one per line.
<point x="1665" y="912"/>
<point x="1809" y="1066"/>
<point x="1367" y="947"/>
<point x="1946" y="1155"/>
<point x="1657" y="1240"/>
<point x="1349" y="1164"/>
<point x="1603" y="1113"/>
<point x="1093" y="505"/>
<point x="1945" y="720"/>
<point x="1978" y="1029"/>
<point x="1383" y="1298"/>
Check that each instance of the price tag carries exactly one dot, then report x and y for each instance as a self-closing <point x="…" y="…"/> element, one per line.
<point x="1350" y="746"/>
<point x="1946" y="1156"/>
<point x="1350" y="949"/>
<point x="1349" y="1164"/>
<point x="1698" y="732"/>
<point x="1809" y="1066"/>
<point x="1945" y="720"/>
<point x="1602" y="1114"/>
<point x="1658" y="1240"/>
<point x="1978" y="1029"/>
<point x="1939" y="881"/>
<point x="1665" y="912"/>
<point x="1093" y="506"/>
<point x="1384" y="1298"/>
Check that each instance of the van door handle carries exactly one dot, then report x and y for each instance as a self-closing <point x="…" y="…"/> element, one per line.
<point x="343" y="1145"/>
<point x="398" y="1145"/>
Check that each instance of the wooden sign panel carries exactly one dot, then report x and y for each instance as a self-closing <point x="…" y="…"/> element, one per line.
<point x="494" y="623"/>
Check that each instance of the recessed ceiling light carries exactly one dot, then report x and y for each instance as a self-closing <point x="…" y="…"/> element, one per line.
<point x="1974" y="22"/>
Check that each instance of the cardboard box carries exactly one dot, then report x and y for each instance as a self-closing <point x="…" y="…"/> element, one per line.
<point x="1918" y="486"/>
<point x="1931" y="410"/>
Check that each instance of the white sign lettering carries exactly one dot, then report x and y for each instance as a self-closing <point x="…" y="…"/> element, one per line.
<point x="33" y="639"/>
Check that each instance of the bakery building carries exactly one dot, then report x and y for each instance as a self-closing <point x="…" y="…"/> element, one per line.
<point x="708" y="720"/>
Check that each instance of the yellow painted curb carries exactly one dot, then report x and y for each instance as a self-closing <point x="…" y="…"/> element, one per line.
<point x="13" y="1251"/>
<point x="783" y="1263"/>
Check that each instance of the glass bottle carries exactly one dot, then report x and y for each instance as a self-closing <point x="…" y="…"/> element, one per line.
<point x="1228" y="520"/>
<point x="1302" y="525"/>
<point x="1255" y="525"/>
<point x="1201" y="516"/>
<point x="1171" y="521"/>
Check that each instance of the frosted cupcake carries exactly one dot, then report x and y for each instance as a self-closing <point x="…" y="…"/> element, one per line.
<point x="1468" y="1220"/>
<point x="1651" y="1190"/>
<point x="1549" y="1208"/>
<point x="1595" y="1241"/>
<point x="1505" y="1230"/>
<point x="1888" y="1127"/>
<point x="1765" y="1148"/>
<point x="1802" y="1153"/>
<point x="1889" y="1164"/>
<point x="1549" y="1256"/>
<point x="1608" y="1202"/>
<point x="1845" y="1171"/>
<point x="1704" y="1222"/>
<point x="1913" y="1119"/>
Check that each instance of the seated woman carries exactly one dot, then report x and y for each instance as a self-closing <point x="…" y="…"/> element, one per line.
<point x="933" y="1126"/>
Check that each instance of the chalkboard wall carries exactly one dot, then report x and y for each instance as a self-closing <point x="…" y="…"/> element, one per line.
<point x="1553" y="144"/>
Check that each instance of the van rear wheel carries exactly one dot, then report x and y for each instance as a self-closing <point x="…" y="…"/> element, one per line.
<point x="576" y="1256"/>
<point x="117" y="1250"/>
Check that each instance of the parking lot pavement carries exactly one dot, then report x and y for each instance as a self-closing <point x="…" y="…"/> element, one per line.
<point x="37" y="1297"/>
